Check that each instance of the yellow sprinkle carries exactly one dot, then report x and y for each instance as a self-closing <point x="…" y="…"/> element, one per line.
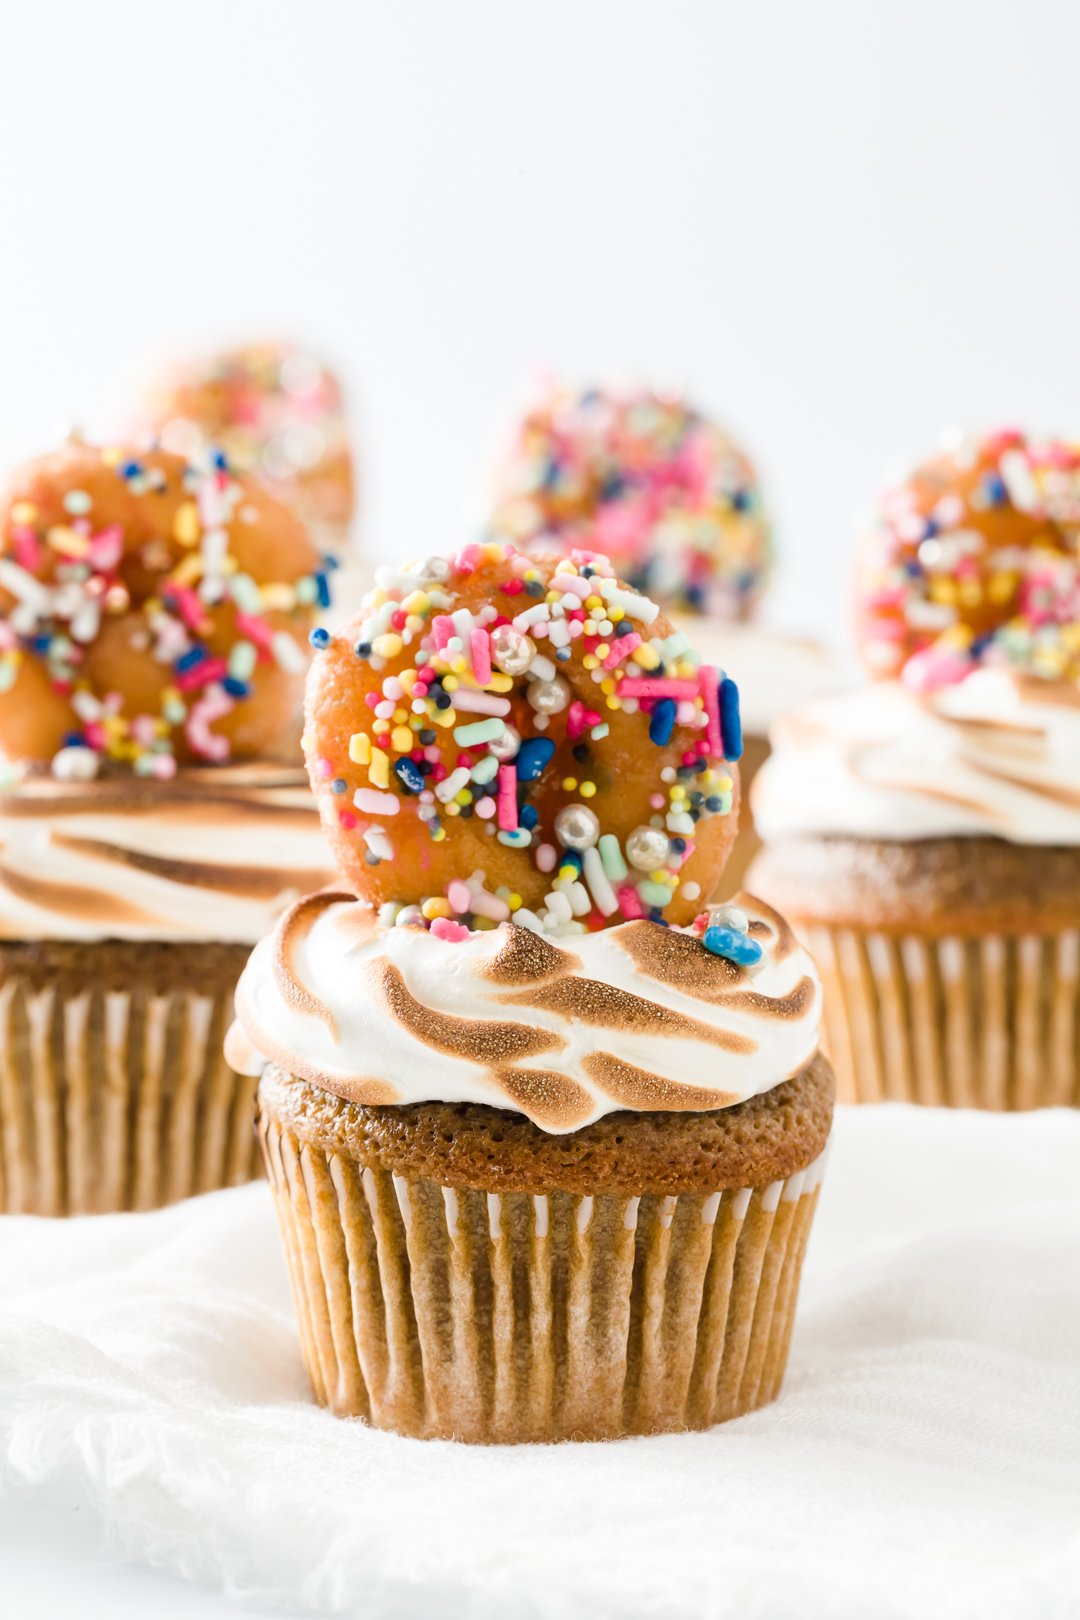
<point x="464" y="797"/>
<point x="459" y="664"/>
<point x="594" y="604"/>
<point x="452" y="809"/>
<point x="188" y="569"/>
<point x="514" y="902"/>
<point x="446" y="718"/>
<point x="645" y="657"/>
<point x="408" y="681"/>
<point x="415" y="602"/>
<point x="278" y="598"/>
<point x="401" y="739"/>
<point x="590" y="661"/>
<point x="69" y="541"/>
<point x="24" y="512"/>
<point x="1001" y="587"/>
<point x="569" y="784"/>
<point x="603" y="649"/>
<point x="450" y="683"/>
<point x="589" y="627"/>
<point x="387" y="646"/>
<point x="400" y="716"/>
<point x="186" y="525"/>
<point x="588" y="789"/>
<point x="435" y="907"/>
<point x="360" y="748"/>
<point x="614" y="703"/>
<point x="616" y="615"/>
<point x="437" y="837"/>
<point x="608" y="686"/>
<point x="677" y="791"/>
<point x="379" y="769"/>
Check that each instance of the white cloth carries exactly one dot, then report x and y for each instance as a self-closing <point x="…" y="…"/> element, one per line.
<point x="924" y="1458"/>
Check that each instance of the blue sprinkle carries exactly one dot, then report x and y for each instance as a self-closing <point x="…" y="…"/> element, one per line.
<point x="131" y="469"/>
<point x="995" y="489"/>
<point x="338" y="785"/>
<point x="73" y="739"/>
<point x="330" y="562"/>
<point x="319" y="638"/>
<point x="730" y="722"/>
<point x="41" y="644"/>
<point x="528" y="816"/>
<point x="220" y="460"/>
<point x="322" y="585"/>
<point x="409" y="774"/>
<point x="735" y="947"/>
<point x="662" y="722"/>
<point x="533" y="758"/>
<point x="570" y="857"/>
<point x="190" y="660"/>
<point x="235" y="688"/>
<point x="742" y="500"/>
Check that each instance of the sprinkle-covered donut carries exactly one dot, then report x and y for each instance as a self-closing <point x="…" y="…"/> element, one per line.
<point x="500" y="734"/>
<point x="152" y="612"/>
<point x="644" y="478"/>
<point x="277" y="412"/>
<point x="976" y="560"/>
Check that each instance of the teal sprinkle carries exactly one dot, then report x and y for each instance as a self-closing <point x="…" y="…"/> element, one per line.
<point x="654" y="894"/>
<point x="611" y="857"/>
<point x="486" y="770"/>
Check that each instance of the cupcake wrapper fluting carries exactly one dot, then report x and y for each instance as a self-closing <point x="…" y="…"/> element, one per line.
<point x="497" y="1317"/>
<point x="991" y="1022"/>
<point x="117" y="1100"/>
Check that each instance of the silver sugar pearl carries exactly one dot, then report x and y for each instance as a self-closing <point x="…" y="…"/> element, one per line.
<point x="505" y="747"/>
<point x="647" y="848"/>
<point x="549" y="697"/>
<point x="511" y="650"/>
<point x="732" y="917"/>
<point x="434" y="568"/>
<point x="576" y="827"/>
<point x="410" y="917"/>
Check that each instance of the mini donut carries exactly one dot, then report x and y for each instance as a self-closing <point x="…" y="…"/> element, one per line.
<point x="976" y="560"/>
<point x="277" y="412"/>
<point x="503" y="734"/>
<point x="152" y="612"/>
<point x="644" y="478"/>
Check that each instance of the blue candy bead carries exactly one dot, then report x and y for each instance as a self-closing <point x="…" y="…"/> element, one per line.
<point x="662" y="722"/>
<point x="735" y="947"/>
<point x="409" y="774"/>
<point x="533" y="758"/>
<point x="319" y="638"/>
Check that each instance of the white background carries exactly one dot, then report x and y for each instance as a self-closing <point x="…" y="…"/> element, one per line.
<point x="840" y="225"/>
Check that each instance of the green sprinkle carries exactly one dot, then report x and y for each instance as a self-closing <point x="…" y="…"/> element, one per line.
<point x="611" y="857"/>
<point x="599" y="731"/>
<point x="481" y="731"/>
<point x="245" y="593"/>
<point x="654" y="894"/>
<point x="486" y="770"/>
<point x="242" y="660"/>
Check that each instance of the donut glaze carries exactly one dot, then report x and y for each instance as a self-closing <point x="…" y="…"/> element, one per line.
<point x="152" y="612"/>
<point x="500" y="731"/>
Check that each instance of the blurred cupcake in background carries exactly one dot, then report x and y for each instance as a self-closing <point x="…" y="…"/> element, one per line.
<point x="923" y="833"/>
<point x="154" y="619"/>
<point x="277" y="412"/>
<point x="675" y="503"/>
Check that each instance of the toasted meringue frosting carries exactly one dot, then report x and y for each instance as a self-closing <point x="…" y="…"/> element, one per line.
<point x="637" y="1016"/>
<point x="996" y="755"/>
<point x="214" y="854"/>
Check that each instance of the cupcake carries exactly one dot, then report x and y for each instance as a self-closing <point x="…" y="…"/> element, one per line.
<point x="153" y="642"/>
<point x="676" y="504"/>
<point x="923" y="832"/>
<point x="544" y="1136"/>
<point x="279" y="414"/>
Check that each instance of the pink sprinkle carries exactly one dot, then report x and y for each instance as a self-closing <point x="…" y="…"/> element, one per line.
<point x="256" y="630"/>
<point x="95" y="736"/>
<point x="467" y="559"/>
<point x="442" y="628"/>
<point x="347" y="819"/>
<point x="189" y="606"/>
<point x="659" y="688"/>
<point x="575" y="720"/>
<point x="27" y="549"/>
<point x="508" y="816"/>
<point x="709" y="687"/>
<point x="630" y="902"/>
<point x="480" y="647"/>
<point x="546" y="857"/>
<point x="623" y="647"/>
<point x="657" y="801"/>
<point x="213" y="705"/>
<point x="107" y="548"/>
<point x="371" y="699"/>
<point x="445" y="928"/>
<point x="485" y="807"/>
<point x="325" y="767"/>
<point x="211" y="669"/>
<point x="459" y="897"/>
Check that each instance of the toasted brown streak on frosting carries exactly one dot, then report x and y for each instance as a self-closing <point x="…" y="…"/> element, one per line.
<point x="794" y="1005"/>
<point x="488" y="1044"/>
<point x="249" y="883"/>
<point x="73" y="900"/>
<point x="526" y="957"/>
<point x="592" y="1002"/>
<point x="926" y="790"/>
<point x="783" y="935"/>
<point x="1060" y="795"/>
<point x="549" y="1098"/>
<point x="678" y="960"/>
<point x="637" y="1088"/>
<point x="293" y="924"/>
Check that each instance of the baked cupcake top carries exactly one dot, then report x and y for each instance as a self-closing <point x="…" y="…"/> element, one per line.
<point x="497" y="733"/>
<point x="638" y="1016"/>
<point x="276" y="411"/>
<point x="154" y="612"/>
<point x="969" y="617"/>
<point x="650" y="482"/>
<point x="214" y="854"/>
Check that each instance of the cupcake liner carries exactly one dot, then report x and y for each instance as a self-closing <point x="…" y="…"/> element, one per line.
<point x="117" y="1100"/>
<point x="497" y="1317"/>
<point x="990" y="1022"/>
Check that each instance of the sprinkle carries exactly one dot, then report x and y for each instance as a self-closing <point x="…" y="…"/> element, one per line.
<point x="708" y="685"/>
<point x="599" y="887"/>
<point x="360" y="748"/>
<point x="662" y="722"/>
<point x="288" y="655"/>
<point x="507" y="800"/>
<point x="319" y="638"/>
<point x="371" y="803"/>
<point x="629" y="903"/>
<point x="480" y="652"/>
<point x="485" y="770"/>
<point x="451" y="785"/>
<point x="444" y="928"/>
<point x="533" y="758"/>
<point x="409" y="775"/>
<point x="611" y="855"/>
<point x="735" y="947"/>
<point x="379" y="768"/>
<point x="516" y="838"/>
<point x="470" y="702"/>
<point x="730" y="720"/>
<point x="481" y="731"/>
<point x="660" y="687"/>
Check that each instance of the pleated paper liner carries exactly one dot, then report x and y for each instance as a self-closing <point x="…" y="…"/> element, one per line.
<point x="991" y="1022"/>
<point x="118" y="1099"/>
<point x="493" y="1317"/>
